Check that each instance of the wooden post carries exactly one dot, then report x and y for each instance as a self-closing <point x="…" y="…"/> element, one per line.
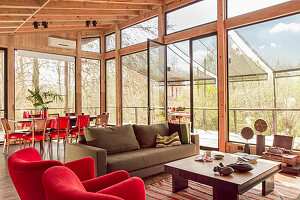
<point x="222" y="76"/>
<point x="67" y="86"/>
<point x="102" y="78"/>
<point x="11" y="78"/>
<point x="78" y="92"/>
<point x="161" y="24"/>
<point x="118" y="76"/>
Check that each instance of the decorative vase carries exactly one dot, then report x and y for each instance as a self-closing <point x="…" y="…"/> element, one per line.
<point x="44" y="112"/>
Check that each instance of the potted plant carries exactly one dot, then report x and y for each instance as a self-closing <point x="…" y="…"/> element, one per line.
<point x="42" y="99"/>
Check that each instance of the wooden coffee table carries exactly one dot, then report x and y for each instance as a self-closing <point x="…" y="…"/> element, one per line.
<point x="224" y="187"/>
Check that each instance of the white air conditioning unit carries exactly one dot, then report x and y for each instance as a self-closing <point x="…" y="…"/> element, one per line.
<point x="61" y="43"/>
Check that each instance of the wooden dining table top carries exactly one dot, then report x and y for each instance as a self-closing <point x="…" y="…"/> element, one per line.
<point x="92" y="117"/>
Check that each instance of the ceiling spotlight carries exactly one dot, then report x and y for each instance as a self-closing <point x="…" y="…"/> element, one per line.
<point x="36" y="25"/>
<point x="87" y="23"/>
<point x="94" y="23"/>
<point x="45" y="24"/>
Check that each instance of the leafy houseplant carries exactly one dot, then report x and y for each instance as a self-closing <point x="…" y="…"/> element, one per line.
<point x="42" y="99"/>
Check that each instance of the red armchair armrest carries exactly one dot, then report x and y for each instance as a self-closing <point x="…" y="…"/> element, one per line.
<point x="105" y="181"/>
<point x="84" y="168"/>
<point x="132" y="188"/>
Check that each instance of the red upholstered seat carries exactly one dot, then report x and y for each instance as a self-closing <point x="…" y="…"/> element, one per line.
<point x="15" y="135"/>
<point x="37" y="137"/>
<point x="26" y="168"/>
<point x="75" y="132"/>
<point x="54" y="134"/>
<point x="113" y="186"/>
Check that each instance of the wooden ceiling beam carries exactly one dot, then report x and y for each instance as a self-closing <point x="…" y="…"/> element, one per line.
<point x="10" y="24"/>
<point x="95" y="6"/>
<point x="59" y="28"/>
<point x="20" y="4"/>
<point x="40" y="18"/>
<point x="82" y="12"/>
<point x="67" y="23"/>
<point x="16" y="11"/>
<point x="148" y="2"/>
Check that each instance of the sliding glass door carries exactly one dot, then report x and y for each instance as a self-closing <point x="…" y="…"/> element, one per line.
<point x="157" y="109"/>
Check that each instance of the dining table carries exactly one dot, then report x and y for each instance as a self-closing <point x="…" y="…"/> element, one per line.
<point x="180" y="115"/>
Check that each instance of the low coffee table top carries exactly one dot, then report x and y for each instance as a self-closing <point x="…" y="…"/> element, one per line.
<point x="203" y="171"/>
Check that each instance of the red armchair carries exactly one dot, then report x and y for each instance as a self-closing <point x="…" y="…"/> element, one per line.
<point x="26" y="168"/>
<point x="61" y="183"/>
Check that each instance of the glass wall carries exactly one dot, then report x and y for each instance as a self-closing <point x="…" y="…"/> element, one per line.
<point x="195" y="14"/>
<point x="140" y="32"/>
<point x="239" y="7"/>
<point x="47" y="73"/>
<point x="135" y="88"/>
<point x="90" y="86"/>
<point x="178" y="73"/>
<point x="205" y="90"/>
<point x="90" y="44"/>
<point x="264" y="69"/>
<point x="110" y="42"/>
<point x="111" y="90"/>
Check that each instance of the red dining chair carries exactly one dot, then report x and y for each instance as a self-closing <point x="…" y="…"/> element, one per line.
<point x="26" y="115"/>
<point x="37" y="132"/>
<point x="10" y="135"/>
<point x="26" y="168"/>
<point x="61" y="130"/>
<point x="101" y="120"/>
<point x="114" y="186"/>
<point x="71" y="114"/>
<point x="81" y="122"/>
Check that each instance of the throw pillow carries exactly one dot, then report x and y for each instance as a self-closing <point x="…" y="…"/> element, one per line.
<point x="183" y="132"/>
<point x="146" y="134"/>
<point x="168" y="141"/>
<point x="114" y="139"/>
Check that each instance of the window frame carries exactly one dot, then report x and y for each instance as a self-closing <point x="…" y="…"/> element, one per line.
<point x="99" y="37"/>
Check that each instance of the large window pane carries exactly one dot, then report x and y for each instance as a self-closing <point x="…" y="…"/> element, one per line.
<point x="140" y="32"/>
<point x="239" y="7"/>
<point x="49" y="73"/>
<point x="90" y="44"/>
<point x="178" y="70"/>
<point x="111" y="90"/>
<point x="205" y="90"/>
<point x="264" y="69"/>
<point x="110" y="42"/>
<point x="90" y="86"/>
<point x="192" y="15"/>
<point x="134" y="88"/>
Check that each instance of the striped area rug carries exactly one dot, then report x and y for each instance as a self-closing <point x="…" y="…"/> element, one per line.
<point x="163" y="191"/>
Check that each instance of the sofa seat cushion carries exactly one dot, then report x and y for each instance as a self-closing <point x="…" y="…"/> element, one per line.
<point x="113" y="139"/>
<point x="148" y="157"/>
<point x="146" y="134"/>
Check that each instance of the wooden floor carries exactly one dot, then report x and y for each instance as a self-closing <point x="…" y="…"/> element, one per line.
<point x="8" y="192"/>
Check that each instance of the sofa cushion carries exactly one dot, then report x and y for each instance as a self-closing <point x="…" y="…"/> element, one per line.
<point x="113" y="139"/>
<point x="168" y="141"/>
<point x="183" y="132"/>
<point x="146" y="134"/>
<point x="143" y="158"/>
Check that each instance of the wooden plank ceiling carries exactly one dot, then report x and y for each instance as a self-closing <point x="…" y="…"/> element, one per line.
<point x="19" y="15"/>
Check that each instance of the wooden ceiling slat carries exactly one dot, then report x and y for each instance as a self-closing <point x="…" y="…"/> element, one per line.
<point x="16" y="11"/>
<point x="13" y="18"/>
<point x="148" y="2"/>
<point x="81" y="12"/>
<point x="40" y="18"/>
<point x="20" y="4"/>
<point x="66" y="23"/>
<point x="95" y="6"/>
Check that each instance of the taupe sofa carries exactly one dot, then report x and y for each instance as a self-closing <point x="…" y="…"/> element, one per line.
<point x="143" y="162"/>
